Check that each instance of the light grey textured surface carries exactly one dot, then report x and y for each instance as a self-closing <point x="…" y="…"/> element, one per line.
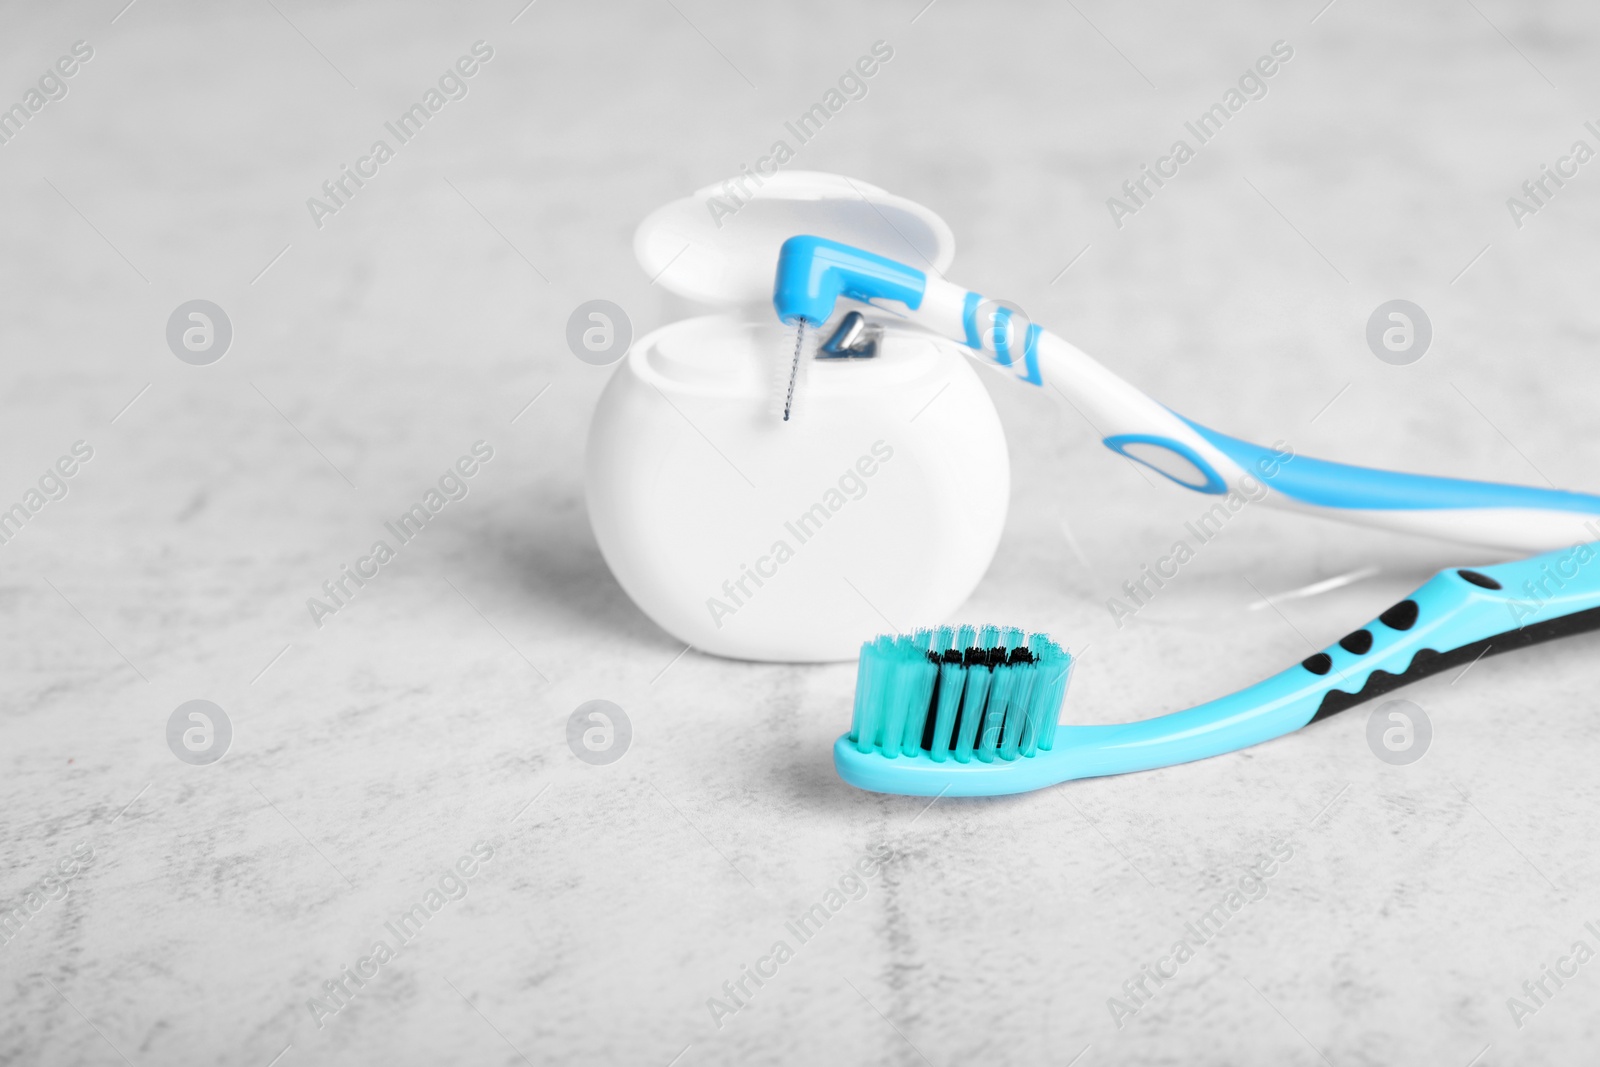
<point x="430" y="713"/>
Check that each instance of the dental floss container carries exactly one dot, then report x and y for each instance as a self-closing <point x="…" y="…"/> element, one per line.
<point x="875" y="508"/>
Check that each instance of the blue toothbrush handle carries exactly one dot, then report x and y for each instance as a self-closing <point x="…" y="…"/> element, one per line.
<point x="1455" y="618"/>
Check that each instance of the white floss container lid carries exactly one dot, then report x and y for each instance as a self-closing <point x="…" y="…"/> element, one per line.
<point x="720" y="246"/>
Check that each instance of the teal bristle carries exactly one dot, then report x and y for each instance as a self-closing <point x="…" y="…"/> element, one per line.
<point x="919" y="690"/>
<point x="976" y="691"/>
<point x="870" y="673"/>
<point x="1056" y="675"/>
<point x="950" y="675"/>
<point x="1021" y="697"/>
<point x="957" y="693"/>
<point x="902" y="683"/>
<point x="994" y="716"/>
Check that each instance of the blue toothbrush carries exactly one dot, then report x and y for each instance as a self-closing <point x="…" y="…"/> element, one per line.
<point x="814" y="274"/>
<point x="968" y="712"/>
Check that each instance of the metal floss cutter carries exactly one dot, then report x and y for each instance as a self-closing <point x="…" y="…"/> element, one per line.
<point x="878" y="505"/>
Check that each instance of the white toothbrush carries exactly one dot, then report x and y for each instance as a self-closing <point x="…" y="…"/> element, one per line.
<point x="814" y="273"/>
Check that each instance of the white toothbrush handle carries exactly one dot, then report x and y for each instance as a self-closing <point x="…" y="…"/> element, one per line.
<point x="1519" y="518"/>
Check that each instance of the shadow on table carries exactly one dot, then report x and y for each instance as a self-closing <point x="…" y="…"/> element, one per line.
<point x="548" y="554"/>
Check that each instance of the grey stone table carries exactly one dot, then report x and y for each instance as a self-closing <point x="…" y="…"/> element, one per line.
<point x="397" y="770"/>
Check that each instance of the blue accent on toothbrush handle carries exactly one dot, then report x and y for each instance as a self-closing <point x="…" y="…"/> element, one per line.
<point x="969" y="319"/>
<point x="1454" y="619"/>
<point x="999" y="336"/>
<point x="1339" y="485"/>
<point x="1205" y="478"/>
<point x="813" y="273"/>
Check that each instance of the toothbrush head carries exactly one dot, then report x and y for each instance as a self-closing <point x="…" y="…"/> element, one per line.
<point x="813" y="273"/>
<point x="953" y="706"/>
